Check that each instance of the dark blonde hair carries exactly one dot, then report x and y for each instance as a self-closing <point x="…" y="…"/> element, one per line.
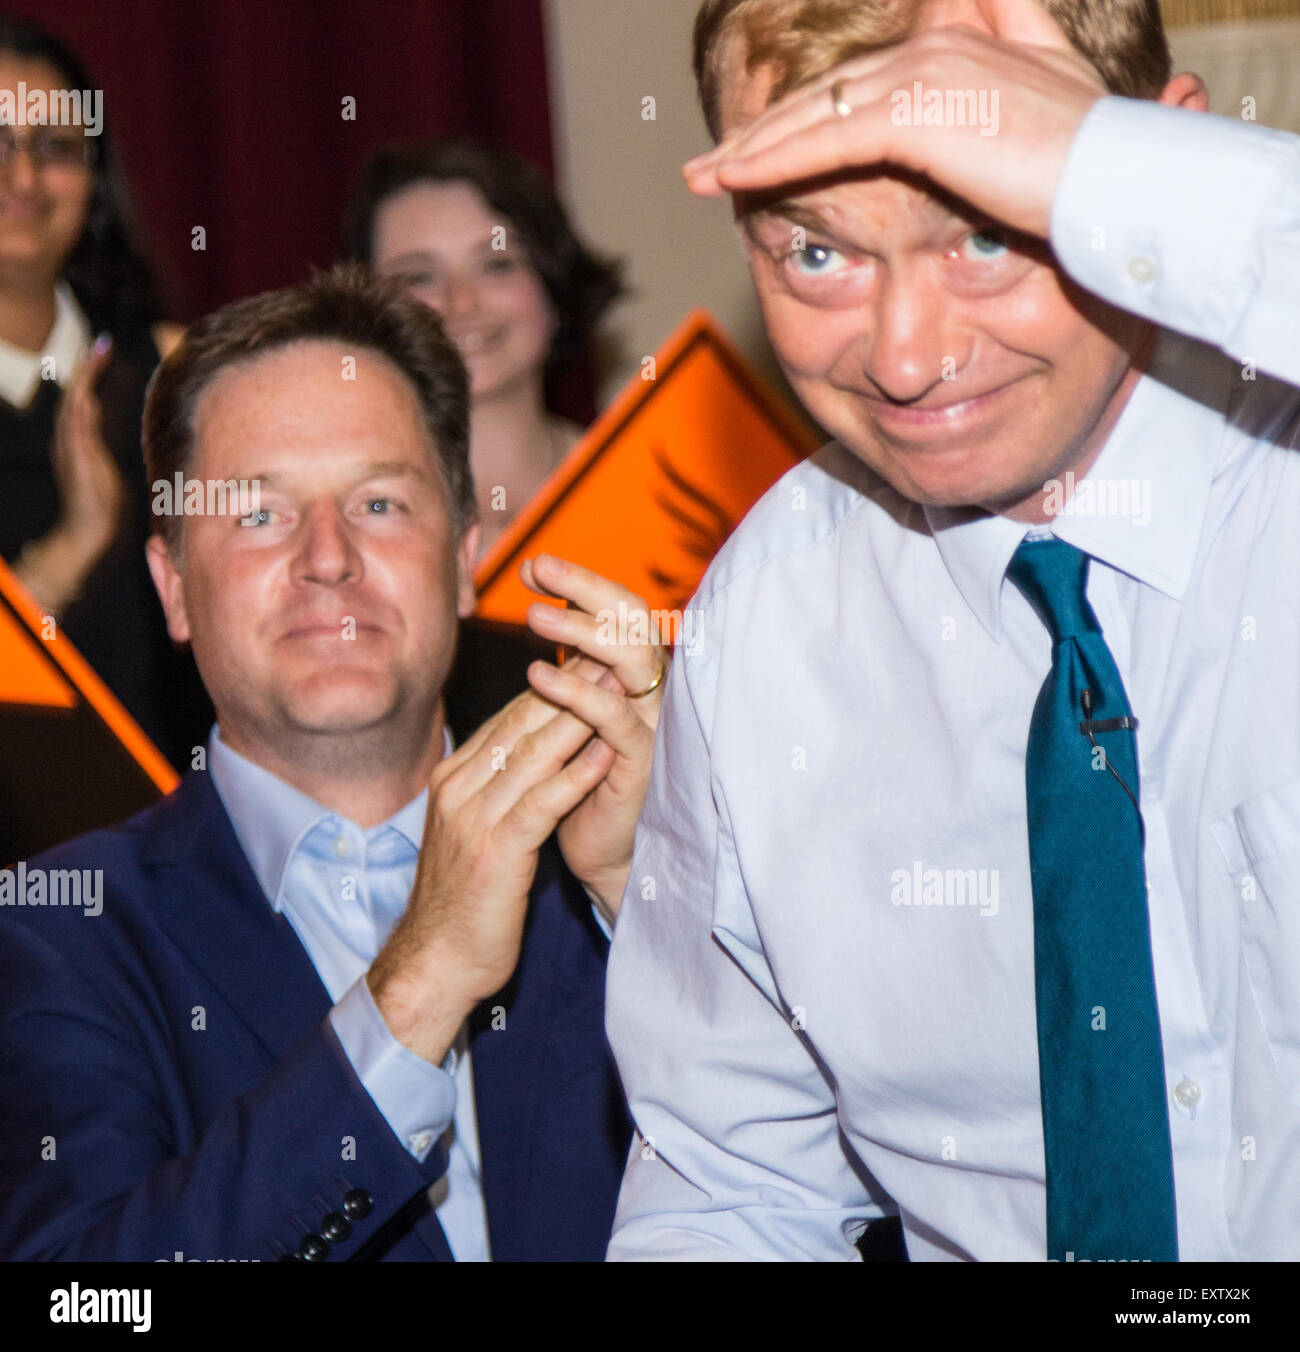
<point x="1123" y="40"/>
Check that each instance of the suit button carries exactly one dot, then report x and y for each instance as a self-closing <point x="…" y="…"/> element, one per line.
<point x="314" y="1249"/>
<point x="336" y="1227"/>
<point x="357" y="1204"/>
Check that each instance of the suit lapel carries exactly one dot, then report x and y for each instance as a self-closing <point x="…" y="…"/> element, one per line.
<point x="212" y="907"/>
<point x="508" y="1065"/>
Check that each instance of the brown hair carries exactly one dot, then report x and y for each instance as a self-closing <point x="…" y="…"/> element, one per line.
<point x="581" y="284"/>
<point x="343" y="304"/>
<point x="1124" y="40"/>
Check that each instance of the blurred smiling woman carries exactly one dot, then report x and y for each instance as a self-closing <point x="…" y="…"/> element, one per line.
<point x="482" y="238"/>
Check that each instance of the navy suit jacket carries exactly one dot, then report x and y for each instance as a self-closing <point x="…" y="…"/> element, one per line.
<point x="169" y="1080"/>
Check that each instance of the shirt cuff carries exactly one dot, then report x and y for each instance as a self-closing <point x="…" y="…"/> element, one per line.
<point x="1166" y="212"/>
<point x="417" y="1099"/>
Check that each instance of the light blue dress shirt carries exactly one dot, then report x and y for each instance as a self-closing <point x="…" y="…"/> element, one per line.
<point x="821" y="989"/>
<point x="343" y="890"/>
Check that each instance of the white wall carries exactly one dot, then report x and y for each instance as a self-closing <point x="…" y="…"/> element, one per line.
<point x="621" y="173"/>
<point x="1259" y="60"/>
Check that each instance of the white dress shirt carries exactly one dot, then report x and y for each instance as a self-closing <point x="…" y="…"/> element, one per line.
<point x="821" y="989"/>
<point x="343" y="890"/>
<point x="68" y="342"/>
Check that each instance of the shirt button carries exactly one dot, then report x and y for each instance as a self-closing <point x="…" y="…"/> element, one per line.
<point x="1187" y="1093"/>
<point x="341" y="846"/>
<point x="1142" y="270"/>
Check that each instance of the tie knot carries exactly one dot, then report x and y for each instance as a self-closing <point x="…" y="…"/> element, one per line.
<point x="1053" y="576"/>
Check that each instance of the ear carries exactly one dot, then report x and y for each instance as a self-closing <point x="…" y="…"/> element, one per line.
<point x="466" y="556"/>
<point x="170" y="587"/>
<point x="1187" y="91"/>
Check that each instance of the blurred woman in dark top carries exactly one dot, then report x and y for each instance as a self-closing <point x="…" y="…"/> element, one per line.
<point x="79" y="338"/>
<point x="484" y="240"/>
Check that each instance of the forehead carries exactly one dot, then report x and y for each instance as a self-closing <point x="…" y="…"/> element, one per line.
<point x="304" y="395"/>
<point x="433" y="214"/>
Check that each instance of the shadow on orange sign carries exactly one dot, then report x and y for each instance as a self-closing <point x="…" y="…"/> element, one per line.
<point x="660" y="481"/>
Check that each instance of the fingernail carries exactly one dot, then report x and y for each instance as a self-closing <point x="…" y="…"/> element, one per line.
<point x="540" y="613"/>
<point x="594" y="750"/>
<point x="102" y="343"/>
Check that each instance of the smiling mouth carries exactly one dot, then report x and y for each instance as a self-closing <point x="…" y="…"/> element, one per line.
<point x="475" y="340"/>
<point x="948" y="418"/>
<point x="21" y="211"/>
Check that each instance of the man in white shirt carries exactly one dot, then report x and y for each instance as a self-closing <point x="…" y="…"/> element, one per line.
<point x="1062" y="307"/>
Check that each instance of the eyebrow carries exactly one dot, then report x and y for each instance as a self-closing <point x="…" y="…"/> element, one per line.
<point x="414" y="256"/>
<point x="786" y="209"/>
<point x="421" y="257"/>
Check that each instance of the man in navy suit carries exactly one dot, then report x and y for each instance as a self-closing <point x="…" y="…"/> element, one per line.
<point x="341" y="993"/>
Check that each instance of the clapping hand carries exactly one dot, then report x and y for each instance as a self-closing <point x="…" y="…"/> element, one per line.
<point x="621" y="708"/>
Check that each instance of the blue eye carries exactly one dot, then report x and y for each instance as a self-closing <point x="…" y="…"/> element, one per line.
<point x="816" y="260"/>
<point x="379" y="506"/>
<point x="260" y="518"/>
<point x="985" y="245"/>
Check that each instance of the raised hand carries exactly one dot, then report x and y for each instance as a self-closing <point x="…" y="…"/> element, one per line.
<point x="860" y="115"/>
<point x="55" y="567"/>
<point x="89" y="481"/>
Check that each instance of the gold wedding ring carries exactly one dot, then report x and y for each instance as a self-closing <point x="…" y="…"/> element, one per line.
<point x="654" y="685"/>
<point x="838" y="101"/>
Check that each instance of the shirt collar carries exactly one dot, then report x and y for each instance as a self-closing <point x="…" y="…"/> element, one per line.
<point x="271" y="818"/>
<point x="1158" y="466"/>
<point x="68" y="342"/>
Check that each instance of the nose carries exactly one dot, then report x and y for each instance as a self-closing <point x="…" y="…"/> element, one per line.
<point x="460" y="296"/>
<point x="327" y="554"/>
<point x="21" y="170"/>
<point x="911" y="346"/>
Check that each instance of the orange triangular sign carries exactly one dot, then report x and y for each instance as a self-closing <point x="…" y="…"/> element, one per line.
<point x="46" y="671"/>
<point x="27" y="676"/>
<point x="652" y="491"/>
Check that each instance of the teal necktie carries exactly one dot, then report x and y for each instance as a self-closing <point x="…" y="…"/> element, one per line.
<point x="1110" y="1180"/>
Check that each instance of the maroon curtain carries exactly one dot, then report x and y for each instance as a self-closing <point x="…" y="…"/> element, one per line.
<point x="229" y="115"/>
